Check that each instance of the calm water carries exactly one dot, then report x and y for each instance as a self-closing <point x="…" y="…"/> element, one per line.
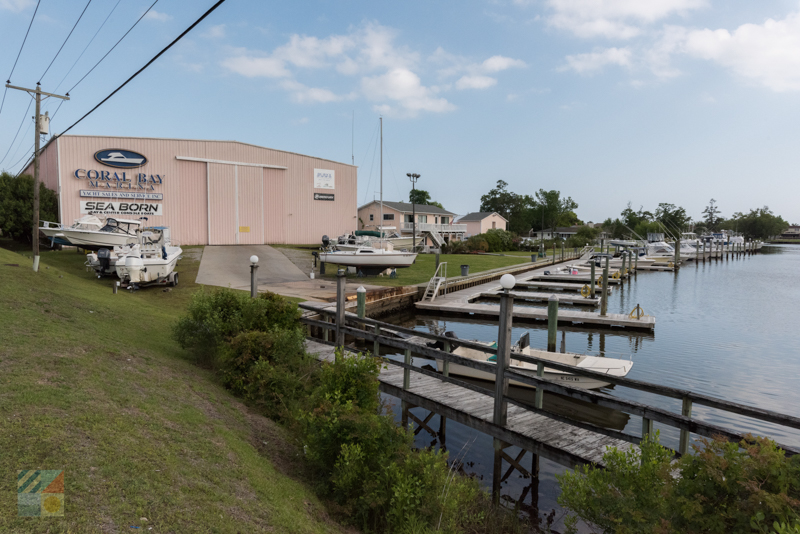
<point x="730" y="329"/>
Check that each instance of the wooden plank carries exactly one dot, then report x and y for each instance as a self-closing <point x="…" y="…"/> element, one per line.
<point x="539" y="297"/>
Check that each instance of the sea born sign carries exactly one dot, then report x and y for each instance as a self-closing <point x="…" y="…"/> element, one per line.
<point x="123" y="207"/>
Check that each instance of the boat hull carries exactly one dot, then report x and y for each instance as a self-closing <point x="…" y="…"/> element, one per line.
<point x="377" y="258"/>
<point x="94" y="240"/>
<point x="572" y="380"/>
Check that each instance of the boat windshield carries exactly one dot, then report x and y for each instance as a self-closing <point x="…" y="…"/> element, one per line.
<point x="117" y="227"/>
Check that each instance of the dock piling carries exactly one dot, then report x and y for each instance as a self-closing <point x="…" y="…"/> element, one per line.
<point x="686" y="411"/>
<point x="503" y="359"/>
<point x="341" y="280"/>
<point x="361" y="299"/>
<point x="591" y="291"/>
<point x="604" y="292"/>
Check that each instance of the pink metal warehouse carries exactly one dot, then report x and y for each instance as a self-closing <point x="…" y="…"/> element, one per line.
<point x="207" y="192"/>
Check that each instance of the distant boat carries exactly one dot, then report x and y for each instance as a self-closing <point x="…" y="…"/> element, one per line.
<point x="367" y="256"/>
<point x="88" y="233"/>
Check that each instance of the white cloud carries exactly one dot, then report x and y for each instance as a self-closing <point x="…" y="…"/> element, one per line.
<point x="475" y="82"/>
<point x="215" y="32"/>
<point x="387" y="73"/>
<point x="303" y="94"/>
<point x="16" y="5"/>
<point x="595" y="61"/>
<point x="615" y="19"/>
<point x="405" y="88"/>
<point x="767" y="53"/>
<point x="157" y="15"/>
<point x="268" y="67"/>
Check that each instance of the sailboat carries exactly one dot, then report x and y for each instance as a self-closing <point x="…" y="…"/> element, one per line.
<point x="371" y="258"/>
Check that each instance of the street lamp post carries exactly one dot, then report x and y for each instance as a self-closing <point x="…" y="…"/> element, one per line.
<point x="413" y="177"/>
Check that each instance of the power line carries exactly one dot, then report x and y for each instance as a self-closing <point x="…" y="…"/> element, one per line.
<point x="87" y="46"/>
<point x="18" y="129"/>
<point x="18" y="54"/>
<point x="113" y="47"/>
<point x="178" y="38"/>
<point x="30" y="158"/>
<point x="65" y="40"/>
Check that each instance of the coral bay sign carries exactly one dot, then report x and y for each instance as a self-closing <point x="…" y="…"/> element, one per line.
<point x="124" y="207"/>
<point x="119" y="179"/>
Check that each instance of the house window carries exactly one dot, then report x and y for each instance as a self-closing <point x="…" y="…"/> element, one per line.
<point x="388" y="216"/>
<point x="408" y="218"/>
<point x="371" y="216"/>
<point x="494" y="225"/>
<point x="422" y="218"/>
<point x="445" y="220"/>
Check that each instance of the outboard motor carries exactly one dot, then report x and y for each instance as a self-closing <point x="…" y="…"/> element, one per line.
<point x="326" y="241"/>
<point x="104" y="257"/>
<point x="134" y="266"/>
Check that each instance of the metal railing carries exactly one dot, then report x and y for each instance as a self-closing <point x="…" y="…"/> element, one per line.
<point x="441" y="228"/>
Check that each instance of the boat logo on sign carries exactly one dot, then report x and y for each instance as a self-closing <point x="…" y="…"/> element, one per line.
<point x="124" y="159"/>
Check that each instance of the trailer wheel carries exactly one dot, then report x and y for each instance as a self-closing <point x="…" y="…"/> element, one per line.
<point x="174" y="281"/>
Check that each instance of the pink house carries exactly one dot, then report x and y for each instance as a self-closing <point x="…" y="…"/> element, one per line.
<point x="480" y="222"/>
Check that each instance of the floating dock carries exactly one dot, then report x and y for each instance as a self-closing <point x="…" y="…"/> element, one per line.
<point x="574" y="278"/>
<point x="558" y="286"/>
<point x="575" y="300"/>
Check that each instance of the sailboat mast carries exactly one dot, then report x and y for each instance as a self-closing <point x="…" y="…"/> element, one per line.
<point x="381" y="227"/>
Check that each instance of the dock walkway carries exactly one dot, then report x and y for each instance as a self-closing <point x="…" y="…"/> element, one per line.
<point x="556" y="440"/>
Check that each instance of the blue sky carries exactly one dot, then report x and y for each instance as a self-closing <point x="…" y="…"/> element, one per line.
<point x="608" y="101"/>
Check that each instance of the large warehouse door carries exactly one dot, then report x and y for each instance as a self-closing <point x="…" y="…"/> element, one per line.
<point x="275" y="208"/>
<point x="222" y="204"/>
<point x="251" y="193"/>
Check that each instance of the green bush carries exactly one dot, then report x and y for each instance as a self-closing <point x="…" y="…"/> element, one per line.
<point x="477" y="243"/>
<point x="16" y="206"/>
<point x="271" y="369"/>
<point x="723" y="487"/>
<point x="217" y="317"/>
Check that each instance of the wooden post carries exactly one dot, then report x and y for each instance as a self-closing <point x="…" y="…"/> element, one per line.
<point x="325" y="333"/>
<point x="686" y="411"/>
<point x="443" y="419"/>
<point x="446" y="368"/>
<point x="622" y="268"/>
<point x="552" y="323"/>
<point x="604" y="290"/>
<point x="497" y="470"/>
<point x="704" y="250"/>
<point x="647" y="427"/>
<point x="341" y="280"/>
<point x="407" y="372"/>
<point x="554" y="251"/>
<point x="376" y="348"/>
<point x="677" y="253"/>
<point x="591" y="292"/>
<point x="503" y="359"/>
<point x="636" y="255"/>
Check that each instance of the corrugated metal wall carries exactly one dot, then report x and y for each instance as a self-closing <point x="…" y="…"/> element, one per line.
<point x="289" y="214"/>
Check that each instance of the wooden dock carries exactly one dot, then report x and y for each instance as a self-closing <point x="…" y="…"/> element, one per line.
<point x="558" y="286"/>
<point x="535" y="314"/>
<point x="574" y="278"/>
<point x="555" y="440"/>
<point x="576" y="300"/>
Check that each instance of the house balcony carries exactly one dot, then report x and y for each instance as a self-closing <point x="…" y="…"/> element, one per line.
<point x="440" y="228"/>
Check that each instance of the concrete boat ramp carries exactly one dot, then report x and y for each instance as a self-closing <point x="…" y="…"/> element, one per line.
<point x="460" y="303"/>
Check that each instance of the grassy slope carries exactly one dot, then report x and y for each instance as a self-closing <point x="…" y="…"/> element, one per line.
<point x="90" y="382"/>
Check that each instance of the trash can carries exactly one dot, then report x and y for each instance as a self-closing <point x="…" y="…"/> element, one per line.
<point x="533" y="257"/>
<point x="464" y="270"/>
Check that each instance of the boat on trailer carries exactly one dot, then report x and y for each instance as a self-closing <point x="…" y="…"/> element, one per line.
<point x="93" y="234"/>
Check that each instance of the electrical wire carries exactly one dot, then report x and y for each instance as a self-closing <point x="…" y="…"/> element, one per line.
<point x="18" y="130"/>
<point x="87" y="46"/>
<point x="18" y="54"/>
<point x="113" y="47"/>
<point x="65" y="40"/>
<point x="30" y="158"/>
<point x="178" y="38"/>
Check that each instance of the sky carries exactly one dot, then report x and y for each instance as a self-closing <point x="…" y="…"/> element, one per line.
<point x="607" y="101"/>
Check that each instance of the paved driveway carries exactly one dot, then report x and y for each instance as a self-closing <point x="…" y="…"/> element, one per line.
<point x="229" y="266"/>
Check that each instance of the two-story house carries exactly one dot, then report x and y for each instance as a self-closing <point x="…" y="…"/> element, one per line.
<point x="434" y="225"/>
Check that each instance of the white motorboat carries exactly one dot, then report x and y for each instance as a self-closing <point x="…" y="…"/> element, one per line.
<point x="610" y="366"/>
<point x="367" y="256"/>
<point x="104" y="260"/>
<point x="85" y="233"/>
<point x="152" y="261"/>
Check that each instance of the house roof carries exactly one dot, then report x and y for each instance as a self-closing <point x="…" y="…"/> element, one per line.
<point x="406" y="207"/>
<point x="479" y="216"/>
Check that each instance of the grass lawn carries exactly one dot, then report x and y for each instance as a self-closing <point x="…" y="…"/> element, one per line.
<point x="91" y="383"/>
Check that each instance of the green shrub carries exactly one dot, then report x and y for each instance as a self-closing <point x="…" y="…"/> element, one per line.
<point x="216" y="317"/>
<point x="271" y="369"/>
<point x="724" y="487"/>
<point x="16" y="206"/>
<point x="477" y="243"/>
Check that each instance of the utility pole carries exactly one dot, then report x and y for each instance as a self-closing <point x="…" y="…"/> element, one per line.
<point x="413" y="177"/>
<point x="37" y="132"/>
